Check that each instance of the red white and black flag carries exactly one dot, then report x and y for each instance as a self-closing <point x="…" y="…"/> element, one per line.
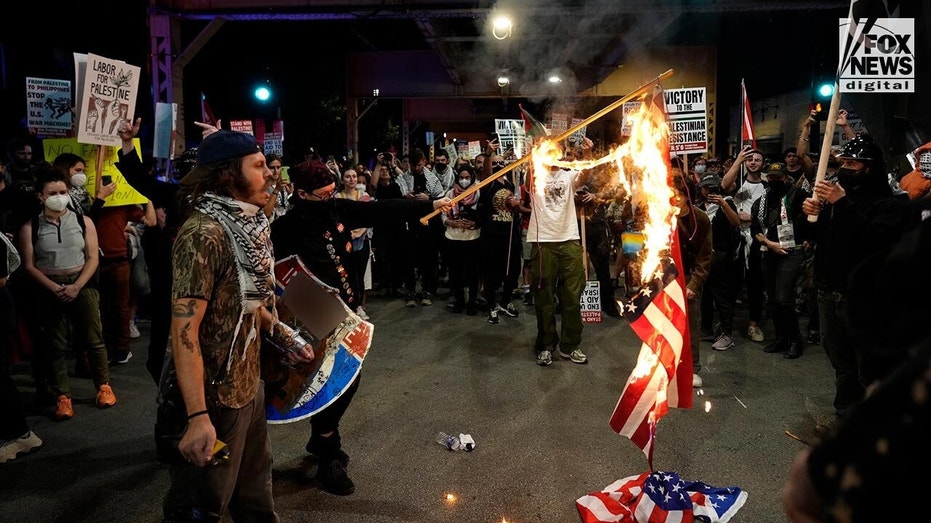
<point x="206" y="114"/>
<point x="747" y="137"/>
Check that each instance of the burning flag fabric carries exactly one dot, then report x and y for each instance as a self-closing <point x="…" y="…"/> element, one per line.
<point x="655" y="497"/>
<point x="746" y="119"/>
<point x="659" y="316"/>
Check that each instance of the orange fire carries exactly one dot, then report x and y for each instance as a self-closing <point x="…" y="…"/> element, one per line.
<point x="641" y="168"/>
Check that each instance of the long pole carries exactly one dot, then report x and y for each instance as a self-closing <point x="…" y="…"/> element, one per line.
<point x="835" y="108"/>
<point x="565" y="134"/>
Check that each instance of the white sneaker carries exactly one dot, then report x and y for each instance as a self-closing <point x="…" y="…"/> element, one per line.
<point x="723" y="342"/>
<point x="755" y="333"/>
<point x="362" y="314"/>
<point x="21" y="445"/>
<point x="697" y="381"/>
<point x="134" y="331"/>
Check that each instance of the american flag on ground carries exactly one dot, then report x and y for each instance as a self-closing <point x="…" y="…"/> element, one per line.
<point x="663" y="375"/>
<point x="657" y="497"/>
<point x="746" y="119"/>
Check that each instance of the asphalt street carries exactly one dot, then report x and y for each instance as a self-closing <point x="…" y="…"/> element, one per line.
<point x="541" y="434"/>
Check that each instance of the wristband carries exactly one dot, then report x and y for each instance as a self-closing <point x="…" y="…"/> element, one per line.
<point x="198" y="413"/>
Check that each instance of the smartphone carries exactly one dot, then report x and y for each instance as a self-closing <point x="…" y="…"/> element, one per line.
<point x="106" y="179"/>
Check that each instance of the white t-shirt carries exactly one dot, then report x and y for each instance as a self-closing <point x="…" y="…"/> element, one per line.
<point x="554" y="218"/>
<point x="746" y="194"/>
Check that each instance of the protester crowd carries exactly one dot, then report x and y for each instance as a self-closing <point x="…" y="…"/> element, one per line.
<point x="761" y="232"/>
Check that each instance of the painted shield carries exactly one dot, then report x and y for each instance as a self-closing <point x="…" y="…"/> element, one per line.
<point x="341" y="340"/>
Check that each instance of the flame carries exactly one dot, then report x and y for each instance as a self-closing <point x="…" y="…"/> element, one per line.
<point x="641" y="170"/>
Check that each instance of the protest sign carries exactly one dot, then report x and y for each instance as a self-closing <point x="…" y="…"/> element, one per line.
<point x="109" y="97"/>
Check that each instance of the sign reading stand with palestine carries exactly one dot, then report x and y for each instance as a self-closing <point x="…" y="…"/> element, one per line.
<point x="590" y="302"/>
<point x="107" y="98"/>
<point x="686" y="111"/>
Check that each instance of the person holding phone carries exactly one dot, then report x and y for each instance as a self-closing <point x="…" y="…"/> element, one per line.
<point x="115" y="270"/>
<point x="719" y="287"/>
<point x="746" y="190"/>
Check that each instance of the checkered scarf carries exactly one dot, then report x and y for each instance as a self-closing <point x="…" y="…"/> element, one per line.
<point x="249" y="233"/>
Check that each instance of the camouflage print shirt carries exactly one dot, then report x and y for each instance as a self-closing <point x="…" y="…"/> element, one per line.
<point x="205" y="268"/>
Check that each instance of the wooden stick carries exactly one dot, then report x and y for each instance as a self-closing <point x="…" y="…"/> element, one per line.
<point x="829" y="126"/>
<point x="565" y="134"/>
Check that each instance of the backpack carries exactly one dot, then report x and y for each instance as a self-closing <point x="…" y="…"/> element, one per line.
<point x="13" y="260"/>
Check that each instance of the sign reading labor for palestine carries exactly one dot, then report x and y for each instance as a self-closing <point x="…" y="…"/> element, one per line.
<point x="877" y="55"/>
<point x="686" y="111"/>
<point x="107" y="98"/>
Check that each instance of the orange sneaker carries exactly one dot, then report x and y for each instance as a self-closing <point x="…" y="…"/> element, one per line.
<point x="105" y="397"/>
<point x="63" y="408"/>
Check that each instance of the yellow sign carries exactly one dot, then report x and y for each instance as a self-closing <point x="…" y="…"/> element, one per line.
<point x="125" y="194"/>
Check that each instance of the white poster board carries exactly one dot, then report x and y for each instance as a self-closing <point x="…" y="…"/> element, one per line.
<point x="108" y="97"/>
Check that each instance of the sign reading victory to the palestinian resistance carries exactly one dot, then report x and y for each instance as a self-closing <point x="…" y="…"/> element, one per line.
<point x="511" y="136"/>
<point x="48" y="106"/>
<point x="686" y="111"/>
<point x="108" y="98"/>
<point x="341" y="340"/>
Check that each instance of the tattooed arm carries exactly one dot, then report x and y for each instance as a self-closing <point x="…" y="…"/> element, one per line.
<point x="186" y="314"/>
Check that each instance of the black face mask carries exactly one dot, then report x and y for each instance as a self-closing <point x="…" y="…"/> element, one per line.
<point x="779" y="187"/>
<point x="849" y="178"/>
<point x="440" y="168"/>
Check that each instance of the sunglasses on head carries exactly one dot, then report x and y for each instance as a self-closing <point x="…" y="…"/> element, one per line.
<point x="497" y="163"/>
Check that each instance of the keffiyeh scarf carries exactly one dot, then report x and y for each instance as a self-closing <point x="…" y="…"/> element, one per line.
<point x="250" y="237"/>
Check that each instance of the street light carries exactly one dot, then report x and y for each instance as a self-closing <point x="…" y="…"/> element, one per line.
<point x="262" y="93"/>
<point x="501" y="27"/>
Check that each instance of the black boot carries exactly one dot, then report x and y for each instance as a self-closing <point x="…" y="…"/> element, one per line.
<point x="333" y="478"/>
<point x="794" y="351"/>
<point x="780" y="345"/>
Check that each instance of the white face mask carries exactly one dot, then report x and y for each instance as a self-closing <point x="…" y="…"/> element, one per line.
<point x="700" y="168"/>
<point x="57" y="202"/>
<point x="465" y="182"/>
<point x="78" y="179"/>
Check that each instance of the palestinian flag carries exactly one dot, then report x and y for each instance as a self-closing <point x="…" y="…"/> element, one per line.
<point x="532" y="127"/>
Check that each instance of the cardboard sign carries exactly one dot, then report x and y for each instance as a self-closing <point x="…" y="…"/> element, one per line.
<point x="125" y="194"/>
<point x="243" y="126"/>
<point x="686" y="111"/>
<point x="590" y="302"/>
<point x="341" y="341"/>
<point x="274" y="144"/>
<point x="109" y="97"/>
<point x="48" y="106"/>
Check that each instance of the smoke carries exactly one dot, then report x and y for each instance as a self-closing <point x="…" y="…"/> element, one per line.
<point x="579" y="42"/>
